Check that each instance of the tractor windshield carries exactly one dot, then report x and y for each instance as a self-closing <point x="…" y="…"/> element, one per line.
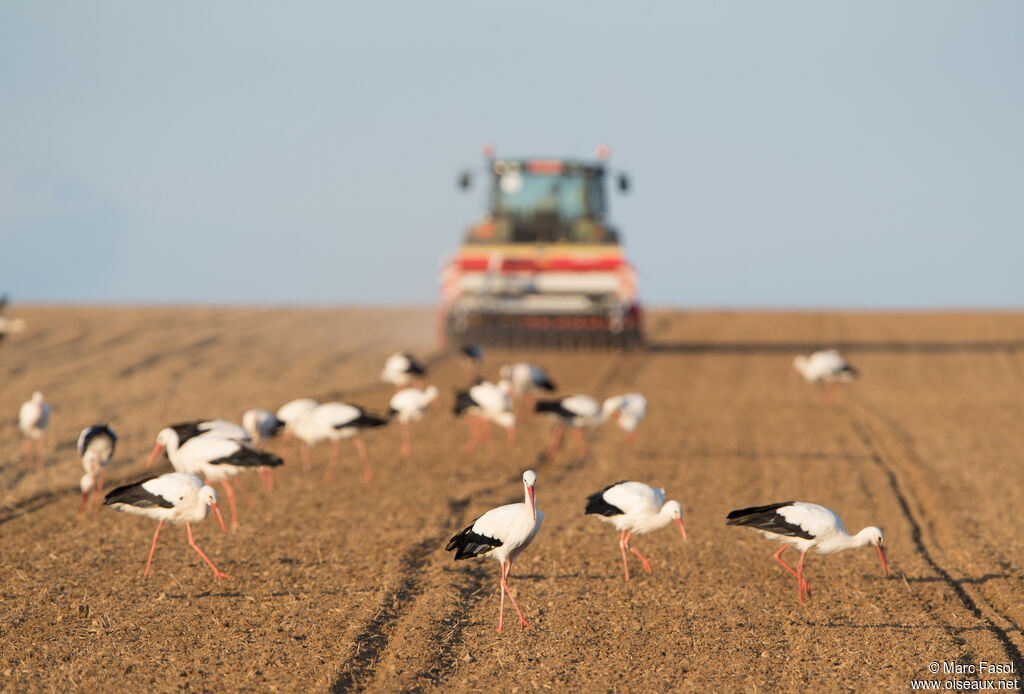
<point x="549" y="203"/>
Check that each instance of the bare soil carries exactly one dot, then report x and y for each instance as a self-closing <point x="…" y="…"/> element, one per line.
<point x="346" y="586"/>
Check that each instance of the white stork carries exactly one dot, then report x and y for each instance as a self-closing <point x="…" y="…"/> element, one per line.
<point x="334" y="421"/>
<point x="401" y="369"/>
<point x="628" y="411"/>
<point x="804" y="526"/>
<point x="576" y="411"/>
<point x="526" y="380"/>
<point x="826" y="366"/>
<point x="634" y="507"/>
<point x="261" y="426"/>
<point x="96" y="447"/>
<point x="33" y="418"/>
<point x="482" y="404"/>
<point x="409" y="405"/>
<point x="198" y="451"/>
<point x="502" y="533"/>
<point x="174" y="497"/>
<point x="288" y="413"/>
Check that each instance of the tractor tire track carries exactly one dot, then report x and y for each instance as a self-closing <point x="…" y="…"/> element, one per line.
<point x="921" y="544"/>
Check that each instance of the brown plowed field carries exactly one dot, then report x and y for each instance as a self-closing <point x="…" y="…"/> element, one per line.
<point x="346" y="586"/>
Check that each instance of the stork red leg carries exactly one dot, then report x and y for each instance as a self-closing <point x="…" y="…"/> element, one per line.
<point x="505" y="569"/>
<point x="153" y="548"/>
<point x="217" y="573"/>
<point x="488" y="436"/>
<point x="335" y="447"/>
<point x="779" y="559"/>
<point x="28" y="453"/>
<point x="39" y="452"/>
<point x="556" y="438"/>
<point x="474" y="435"/>
<point x="622" y="546"/>
<point x="580" y="442"/>
<point x="307" y="454"/>
<point x="231" y="501"/>
<point x="406" y="447"/>
<point x="647" y="564"/>
<point x="361" y="447"/>
<point x="802" y="584"/>
<point x="244" y="493"/>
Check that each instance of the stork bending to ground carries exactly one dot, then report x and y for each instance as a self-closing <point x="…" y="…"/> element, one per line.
<point x="804" y="526"/>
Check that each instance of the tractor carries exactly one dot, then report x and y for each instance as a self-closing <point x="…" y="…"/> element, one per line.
<point x="543" y="266"/>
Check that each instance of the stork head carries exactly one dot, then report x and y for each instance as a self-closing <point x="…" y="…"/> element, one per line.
<point x="611" y="407"/>
<point x="873" y="536"/>
<point x="37" y="397"/>
<point x="529" y="482"/>
<point x="165" y="438"/>
<point x="208" y="497"/>
<point x="674" y="510"/>
<point x="88" y="483"/>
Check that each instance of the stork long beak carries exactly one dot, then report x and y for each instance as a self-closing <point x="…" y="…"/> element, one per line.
<point x="881" y="555"/>
<point x="533" y="502"/>
<point x="682" y="530"/>
<point x="220" y="518"/>
<point x="154" y="454"/>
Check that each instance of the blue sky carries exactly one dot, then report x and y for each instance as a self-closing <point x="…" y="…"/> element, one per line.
<point x="784" y="154"/>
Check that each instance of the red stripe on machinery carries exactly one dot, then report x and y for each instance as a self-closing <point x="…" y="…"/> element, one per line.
<point x="481" y="263"/>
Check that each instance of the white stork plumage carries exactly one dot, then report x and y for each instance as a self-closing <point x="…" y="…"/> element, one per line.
<point x="334" y="421"/>
<point x="409" y="405"/>
<point x="825" y="366"/>
<point x="526" y="379"/>
<point x="804" y="526"/>
<point x="261" y="426"/>
<point x="33" y="418"/>
<point x="195" y="450"/>
<point x="628" y="411"/>
<point x="503" y="533"/>
<point x="634" y="507"/>
<point x="289" y="413"/>
<point x="482" y="404"/>
<point x="577" y="412"/>
<point x="96" y="447"/>
<point x="174" y="497"/>
<point x="401" y="369"/>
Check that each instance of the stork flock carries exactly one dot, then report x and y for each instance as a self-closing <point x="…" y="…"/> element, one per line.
<point x="204" y="452"/>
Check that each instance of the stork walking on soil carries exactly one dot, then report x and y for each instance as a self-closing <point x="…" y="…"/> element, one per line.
<point x="482" y="404"/>
<point x="628" y="411"/>
<point x="402" y="369"/>
<point x="174" y="497"/>
<point x="827" y="367"/>
<point x="33" y="418"/>
<point x="409" y="405"/>
<point x="503" y="533"/>
<point x="634" y="507"/>
<point x="197" y="451"/>
<point x="289" y="413"/>
<point x="577" y="412"/>
<point x="334" y="421"/>
<point x="804" y="526"/>
<point x="96" y="447"/>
